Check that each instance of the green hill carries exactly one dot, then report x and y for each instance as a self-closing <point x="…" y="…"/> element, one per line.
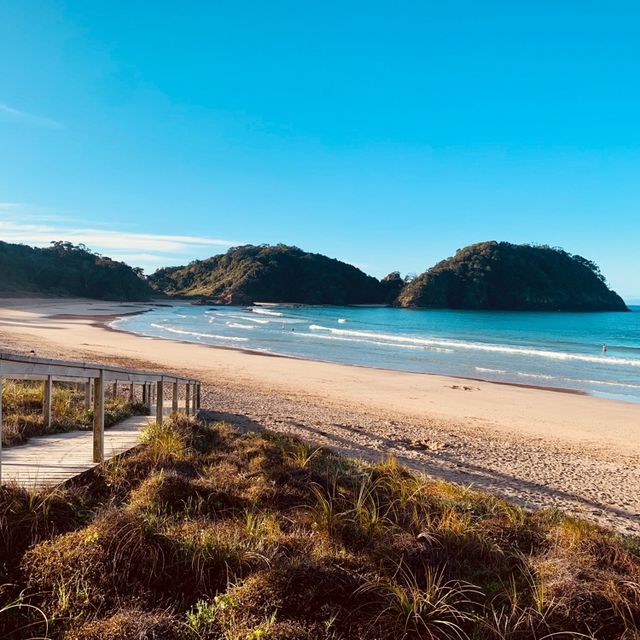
<point x="487" y="275"/>
<point x="272" y="274"/>
<point x="505" y="276"/>
<point x="65" y="269"/>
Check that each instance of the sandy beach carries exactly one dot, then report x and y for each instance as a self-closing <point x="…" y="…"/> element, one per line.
<point x="541" y="448"/>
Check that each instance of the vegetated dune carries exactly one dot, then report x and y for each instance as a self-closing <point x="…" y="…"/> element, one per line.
<point x="206" y="532"/>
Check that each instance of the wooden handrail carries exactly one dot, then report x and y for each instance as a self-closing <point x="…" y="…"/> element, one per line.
<point x="16" y="366"/>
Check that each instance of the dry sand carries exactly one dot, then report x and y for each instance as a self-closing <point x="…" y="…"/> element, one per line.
<point x="538" y="447"/>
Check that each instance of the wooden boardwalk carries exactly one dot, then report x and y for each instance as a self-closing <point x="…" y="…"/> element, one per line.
<point x="51" y="460"/>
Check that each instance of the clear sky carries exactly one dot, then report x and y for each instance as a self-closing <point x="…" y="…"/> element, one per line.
<point x="387" y="134"/>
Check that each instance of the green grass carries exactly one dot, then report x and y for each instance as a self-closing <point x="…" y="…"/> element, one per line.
<point x="22" y="410"/>
<point x="204" y="532"/>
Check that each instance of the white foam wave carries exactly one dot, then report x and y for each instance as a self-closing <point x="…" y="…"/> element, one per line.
<point x="480" y="346"/>
<point x="342" y="320"/>
<point x="239" y="325"/>
<point x="197" y="334"/>
<point x="578" y="381"/>
<point x="540" y="376"/>
<point x="374" y="342"/>
<point x="246" y="318"/>
<point x="610" y="384"/>
<point x="266" y="312"/>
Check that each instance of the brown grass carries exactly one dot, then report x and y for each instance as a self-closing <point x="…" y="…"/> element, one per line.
<point x="208" y="533"/>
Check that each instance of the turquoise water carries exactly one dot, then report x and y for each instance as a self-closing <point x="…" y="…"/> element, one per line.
<point x="549" y="349"/>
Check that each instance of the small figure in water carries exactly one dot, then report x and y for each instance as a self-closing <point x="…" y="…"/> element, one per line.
<point x="604" y="348"/>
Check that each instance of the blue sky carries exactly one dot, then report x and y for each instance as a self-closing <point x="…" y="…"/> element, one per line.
<point x="387" y="134"/>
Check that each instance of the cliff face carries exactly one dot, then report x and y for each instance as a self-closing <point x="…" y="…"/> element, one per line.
<point x="67" y="270"/>
<point x="504" y="276"/>
<point x="271" y="274"/>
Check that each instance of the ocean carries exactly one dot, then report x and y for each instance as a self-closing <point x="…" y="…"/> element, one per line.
<point x="562" y="350"/>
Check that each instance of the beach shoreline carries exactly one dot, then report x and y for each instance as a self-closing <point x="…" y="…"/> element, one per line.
<point x="99" y="321"/>
<point x="536" y="446"/>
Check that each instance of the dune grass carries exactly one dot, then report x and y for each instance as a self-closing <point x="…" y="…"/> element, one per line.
<point x="204" y="532"/>
<point x="22" y="410"/>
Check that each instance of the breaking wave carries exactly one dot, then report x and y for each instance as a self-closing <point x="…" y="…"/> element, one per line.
<point x="198" y="334"/>
<point x="480" y="346"/>
<point x="239" y="325"/>
<point x="266" y="312"/>
<point x="375" y="342"/>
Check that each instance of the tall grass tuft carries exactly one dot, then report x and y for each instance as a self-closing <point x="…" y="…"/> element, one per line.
<point x="427" y="606"/>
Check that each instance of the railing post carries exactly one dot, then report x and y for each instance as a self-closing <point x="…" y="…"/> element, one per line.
<point x="174" y="399"/>
<point x="115" y="388"/>
<point x="87" y="395"/>
<point x="194" y="404"/>
<point x="198" y="397"/>
<point x="159" y="401"/>
<point x="98" y="418"/>
<point x="47" y="402"/>
<point x="187" y="399"/>
<point x="0" y="425"/>
<point x="131" y="393"/>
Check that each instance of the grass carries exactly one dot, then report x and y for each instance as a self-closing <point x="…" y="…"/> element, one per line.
<point x="22" y="410"/>
<point x="206" y="533"/>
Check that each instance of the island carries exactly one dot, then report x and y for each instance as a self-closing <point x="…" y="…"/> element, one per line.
<point x="504" y="276"/>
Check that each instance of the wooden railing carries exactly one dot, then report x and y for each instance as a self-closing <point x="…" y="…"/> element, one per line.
<point x="95" y="378"/>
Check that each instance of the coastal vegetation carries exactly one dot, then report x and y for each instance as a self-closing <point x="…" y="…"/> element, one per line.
<point x="487" y="275"/>
<point x="65" y="269"/>
<point x="22" y="415"/>
<point x="266" y="273"/>
<point x="206" y="532"/>
<point x="501" y="275"/>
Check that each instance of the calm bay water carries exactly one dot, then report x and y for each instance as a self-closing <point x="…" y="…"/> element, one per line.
<point x="549" y="349"/>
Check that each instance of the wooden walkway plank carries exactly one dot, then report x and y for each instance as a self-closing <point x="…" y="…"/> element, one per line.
<point x="51" y="460"/>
